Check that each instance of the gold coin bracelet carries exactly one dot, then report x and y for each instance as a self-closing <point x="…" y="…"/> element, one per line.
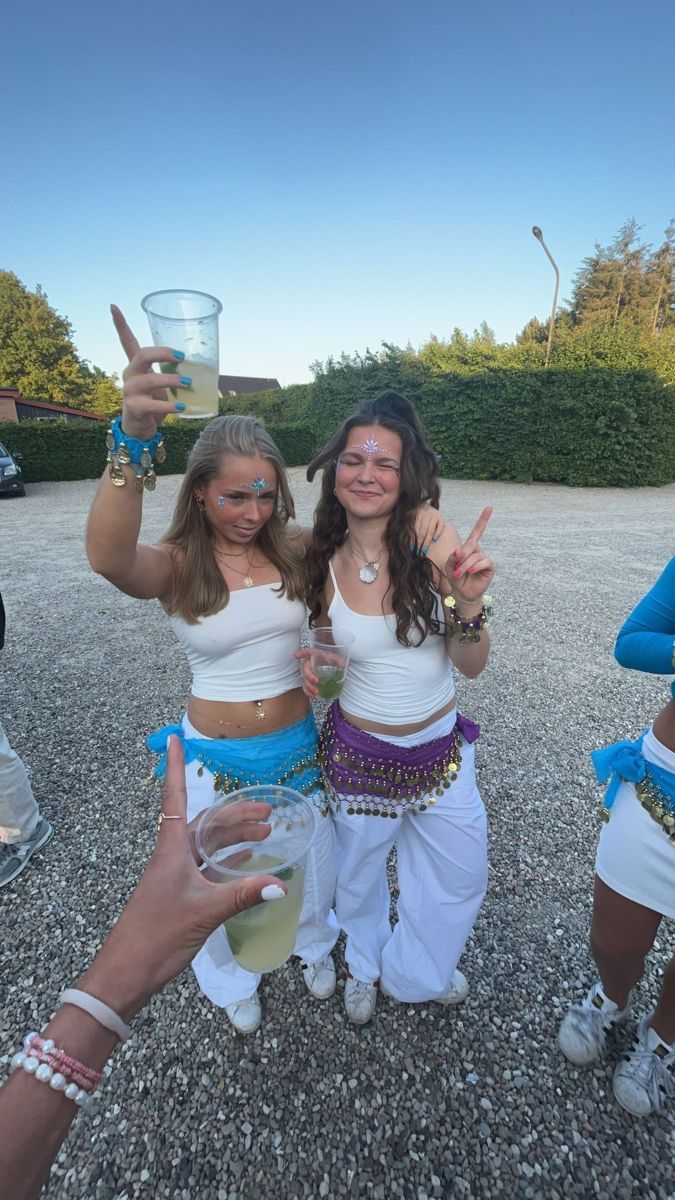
<point x="466" y="629"/>
<point x="124" y="451"/>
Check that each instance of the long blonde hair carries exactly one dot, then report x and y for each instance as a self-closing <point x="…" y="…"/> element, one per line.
<point x="199" y="589"/>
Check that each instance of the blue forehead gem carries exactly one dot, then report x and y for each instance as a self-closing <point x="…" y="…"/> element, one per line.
<point x="259" y="484"/>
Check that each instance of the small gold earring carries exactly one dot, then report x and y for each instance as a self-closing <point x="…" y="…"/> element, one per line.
<point x="199" y="501"/>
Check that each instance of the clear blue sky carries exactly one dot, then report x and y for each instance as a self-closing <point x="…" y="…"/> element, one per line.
<point x="338" y="173"/>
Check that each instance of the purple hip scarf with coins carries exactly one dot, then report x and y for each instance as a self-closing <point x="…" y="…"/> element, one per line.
<point x="382" y="779"/>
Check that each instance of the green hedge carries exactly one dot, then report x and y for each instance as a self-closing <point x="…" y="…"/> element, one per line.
<point x="277" y="406"/>
<point x="54" y="450"/>
<point x="583" y="428"/>
<point x="599" y="428"/>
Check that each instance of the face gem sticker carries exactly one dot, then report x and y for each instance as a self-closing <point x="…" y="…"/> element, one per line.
<point x="371" y="447"/>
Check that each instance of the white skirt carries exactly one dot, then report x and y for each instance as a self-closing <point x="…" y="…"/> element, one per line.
<point x="635" y="857"/>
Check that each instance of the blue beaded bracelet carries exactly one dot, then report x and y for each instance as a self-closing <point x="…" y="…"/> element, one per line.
<point x="125" y="451"/>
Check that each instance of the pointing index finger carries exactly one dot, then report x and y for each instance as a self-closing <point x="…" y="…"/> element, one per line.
<point x="128" y="340"/>
<point x="481" y="525"/>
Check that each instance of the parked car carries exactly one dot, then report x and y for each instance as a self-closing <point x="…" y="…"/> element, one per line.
<point x="11" y="478"/>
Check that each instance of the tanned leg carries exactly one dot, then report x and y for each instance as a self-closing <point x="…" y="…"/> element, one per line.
<point x="622" y="934"/>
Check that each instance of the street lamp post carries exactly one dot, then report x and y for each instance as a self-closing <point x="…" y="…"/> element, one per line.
<point x="540" y="238"/>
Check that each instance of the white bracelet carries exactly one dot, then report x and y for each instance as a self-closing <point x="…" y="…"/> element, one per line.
<point x="45" y="1074"/>
<point x="98" y="1010"/>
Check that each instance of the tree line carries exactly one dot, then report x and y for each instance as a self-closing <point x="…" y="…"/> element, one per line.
<point x="621" y="316"/>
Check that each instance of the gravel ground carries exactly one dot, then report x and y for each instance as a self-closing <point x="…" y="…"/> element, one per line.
<point x="423" y="1102"/>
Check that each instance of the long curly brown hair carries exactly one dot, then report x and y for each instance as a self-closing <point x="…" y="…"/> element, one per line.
<point x="411" y="582"/>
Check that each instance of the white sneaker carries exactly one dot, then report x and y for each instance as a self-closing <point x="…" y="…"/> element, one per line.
<point x="245" y="1015"/>
<point x="646" y="1076"/>
<point x="458" y="990"/>
<point x="583" y="1034"/>
<point x="320" y="977"/>
<point x="360" y="1000"/>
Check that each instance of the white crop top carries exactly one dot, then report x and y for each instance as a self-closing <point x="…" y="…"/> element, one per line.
<point x="245" y="651"/>
<point x="388" y="682"/>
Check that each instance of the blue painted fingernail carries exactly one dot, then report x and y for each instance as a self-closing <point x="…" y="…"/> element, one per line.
<point x="436" y="537"/>
<point x="425" y="549"/>
<point x="180" y="406"/>
<point x="178" y="355"/>
<point x="186" y="379"/>
<point x="411" y="549"/>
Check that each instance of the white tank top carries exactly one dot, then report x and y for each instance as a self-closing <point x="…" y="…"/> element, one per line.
<point x="388" y="682"/>
<point x="245" y="651"/>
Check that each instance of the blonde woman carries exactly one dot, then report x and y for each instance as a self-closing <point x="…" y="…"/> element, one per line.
<point x="229" y="574"/>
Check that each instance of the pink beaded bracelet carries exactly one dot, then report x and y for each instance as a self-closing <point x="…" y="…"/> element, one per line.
<point x="41" y="1058"/>
<point x="65" y="1063"/>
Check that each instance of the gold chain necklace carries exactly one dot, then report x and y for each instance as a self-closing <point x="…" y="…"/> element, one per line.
<point x="246" y="577"/>
<point x="228" y="553"/>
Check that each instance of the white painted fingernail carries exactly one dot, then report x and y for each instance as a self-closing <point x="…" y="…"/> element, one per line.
<point x="272" y="891"/>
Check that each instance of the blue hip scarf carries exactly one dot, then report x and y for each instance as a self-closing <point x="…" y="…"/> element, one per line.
<point x="287" y="757"/>
<point x="655" y="787"/>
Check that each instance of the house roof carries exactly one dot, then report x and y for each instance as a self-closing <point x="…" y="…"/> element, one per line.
<point x="58" y="409"/>
<point x="241" y="384"/>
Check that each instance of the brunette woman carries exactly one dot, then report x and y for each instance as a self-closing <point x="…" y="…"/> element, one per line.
<point x="398" y="758"/>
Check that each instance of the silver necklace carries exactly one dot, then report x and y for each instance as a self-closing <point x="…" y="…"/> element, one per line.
<point x="368" y="572"/>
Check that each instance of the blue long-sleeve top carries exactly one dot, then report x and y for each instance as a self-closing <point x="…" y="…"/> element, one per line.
<point x="646" y="641"/>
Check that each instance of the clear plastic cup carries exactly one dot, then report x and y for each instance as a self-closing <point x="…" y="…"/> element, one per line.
<point x="188" y="321"/>
<point x="331" y="651"/>
<point x="262" y="938"/>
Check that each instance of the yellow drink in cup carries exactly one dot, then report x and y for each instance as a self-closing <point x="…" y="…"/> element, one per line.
<point x="188" y="321"/>
<point x="201" y="398"/>
<point x="262" y="938"/>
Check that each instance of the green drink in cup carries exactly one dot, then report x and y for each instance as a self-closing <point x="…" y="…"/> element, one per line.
<point x="329" y="659"/>
<point x="262" y="938"/>
<point x="188" y="321"/>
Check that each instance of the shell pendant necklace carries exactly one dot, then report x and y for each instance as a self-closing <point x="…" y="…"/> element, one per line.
<point x="368" y="572"/>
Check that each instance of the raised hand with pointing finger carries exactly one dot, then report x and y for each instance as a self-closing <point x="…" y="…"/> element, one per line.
<point x="146" y="398"/>
<point x="468" y="568"/>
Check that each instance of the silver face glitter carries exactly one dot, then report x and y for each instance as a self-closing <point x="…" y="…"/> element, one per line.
<point x="371" y="447"/>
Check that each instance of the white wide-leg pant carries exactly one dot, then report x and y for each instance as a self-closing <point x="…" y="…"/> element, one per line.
<point x="442" y="876"/>
<point x="218" y="973"/>
<point x="19" y="812"/>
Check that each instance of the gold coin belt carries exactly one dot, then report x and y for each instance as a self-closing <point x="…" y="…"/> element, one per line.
<point x="660" y="806"/>
<point x="656" y="802"/>
<point x="385" y="787"/>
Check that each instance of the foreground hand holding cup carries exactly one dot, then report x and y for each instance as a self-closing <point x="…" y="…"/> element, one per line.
<point x="174" y="907"/>
<point x="167" y="919"/>
<point x="263" y="939"/>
